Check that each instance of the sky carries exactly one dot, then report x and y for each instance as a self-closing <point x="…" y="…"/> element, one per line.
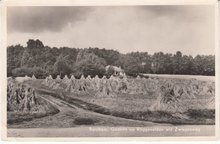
<point x="189" y="29"/>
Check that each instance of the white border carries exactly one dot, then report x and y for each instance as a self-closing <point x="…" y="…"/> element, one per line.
<point x="3" y="78"/>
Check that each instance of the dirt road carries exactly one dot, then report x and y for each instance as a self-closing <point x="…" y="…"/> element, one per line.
<point x="68" y="112"/>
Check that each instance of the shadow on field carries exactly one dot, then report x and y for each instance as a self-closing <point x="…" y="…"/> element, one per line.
<point x="84" y="121"/>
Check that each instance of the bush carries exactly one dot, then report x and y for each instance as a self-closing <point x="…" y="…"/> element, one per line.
<point x="39" y="72"/>
<point x="22" y="71"/>
<point x="88" y="68"/>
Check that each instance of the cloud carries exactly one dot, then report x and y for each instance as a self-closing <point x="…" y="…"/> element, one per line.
<point x="189" y="29"/>
<point x="39" y="19"/>
<point x="191" y="13"/>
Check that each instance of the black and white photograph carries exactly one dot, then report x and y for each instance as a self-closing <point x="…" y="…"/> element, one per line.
<point x="111" y="71"/>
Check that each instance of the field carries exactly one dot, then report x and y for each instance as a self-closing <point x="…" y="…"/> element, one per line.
<point x="153" y="101"/>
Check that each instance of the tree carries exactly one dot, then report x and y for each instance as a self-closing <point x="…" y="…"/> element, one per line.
<point x="204" y="65"/>
<point x="177" y="63"/>
<point x="37" y="57"/>
<point x="61" y="66"/>
<point x="88" y="63"/>
<point x="88" y="68"/>
<point x="39" y="72"/>
<point x="34" y="54"/>
<point x="131" y="66"/>
<point x="158" y="63"/>
<point x="110" y="71"/>
<point x="14" y="55"/>
<point x="34" y="44"/>
<point x="144" y="61"/>
<point x="187" y="65"/>
<point x="209" y="65"/>
<point x="70" y="54"/>
<point x="110" y="56"/>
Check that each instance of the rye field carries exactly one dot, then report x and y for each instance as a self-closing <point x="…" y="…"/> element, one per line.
<point x="110" y="101"/>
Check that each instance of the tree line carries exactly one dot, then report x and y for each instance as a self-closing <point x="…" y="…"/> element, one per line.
<point x="41" y="61"/>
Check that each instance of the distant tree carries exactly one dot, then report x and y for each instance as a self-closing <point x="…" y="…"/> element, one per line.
<point x="204" y="65"/>
<point x="34" y="44"/>
<point x="88" y="68"/>
<point x="131" y="66"/>
<point x="177" y="63"/>
<point x="14" y="56"/>
<point x="70" y="54"/>
<point x="209" y="66"/>
<point x="158" y="63"/>
<point x="34" y="54"/>
<point x="61" y="66"/>
<point x="110" y="71"/>
<point x="111" y="56"/>
<point x="187" y="65"/>
<point x="36" y="57"/>
<point x="144" y="61"/>
<point x="27" y="59"/>
<point x="88" y="63"/>
<point x="39" y="72"/>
